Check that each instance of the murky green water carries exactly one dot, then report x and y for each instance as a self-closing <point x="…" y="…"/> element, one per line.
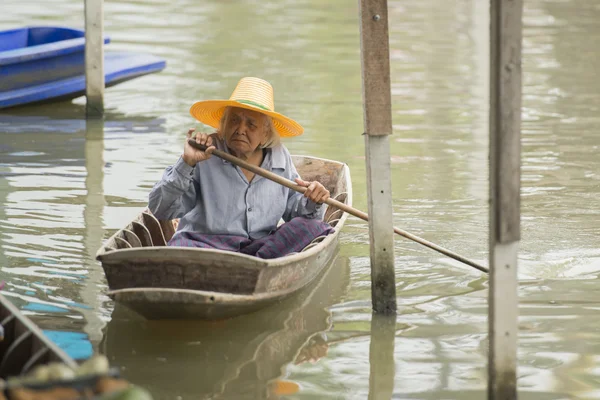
<point x="65" y="187"/>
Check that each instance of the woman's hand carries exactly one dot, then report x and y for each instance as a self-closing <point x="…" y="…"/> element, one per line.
<point x="192" y="156"/>
<point x="315" y="190"/>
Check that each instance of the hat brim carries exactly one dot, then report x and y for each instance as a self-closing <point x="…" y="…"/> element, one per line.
<point x="210" y="112"/>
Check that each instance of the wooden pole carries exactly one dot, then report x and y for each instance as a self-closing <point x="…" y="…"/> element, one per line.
<point x="94" y="57"/>
<point x="375" y="59"/>
<point x="505" y="149"/>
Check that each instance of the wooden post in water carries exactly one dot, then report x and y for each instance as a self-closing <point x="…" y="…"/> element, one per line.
<point x="94" y="57"/>
<point x="505" y="149"/>
<point x="375" y="59"/>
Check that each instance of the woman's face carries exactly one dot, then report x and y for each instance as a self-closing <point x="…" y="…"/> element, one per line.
<point x="244" y="130"/>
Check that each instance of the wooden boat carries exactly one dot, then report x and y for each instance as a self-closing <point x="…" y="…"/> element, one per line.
<point x="24" y="350"/>
<point x="39" y="64"/>
<point x="238" y="358"/>
<point x="161" y="282"/>
<point x="24" y="345"/>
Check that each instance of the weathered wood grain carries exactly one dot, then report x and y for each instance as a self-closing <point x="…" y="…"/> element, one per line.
<point x="375" y="60"/>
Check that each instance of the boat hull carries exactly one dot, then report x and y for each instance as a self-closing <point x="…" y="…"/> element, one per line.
<point x="164" y="303"/>
<point x="118" y="67"/>
<point x="36" y="55"/>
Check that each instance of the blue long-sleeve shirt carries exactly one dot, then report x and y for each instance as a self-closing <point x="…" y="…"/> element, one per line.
<point x="215" y="198"/>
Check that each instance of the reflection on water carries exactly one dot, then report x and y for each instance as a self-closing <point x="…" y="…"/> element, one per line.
<point x="237" y="358"/>
<point x="381" y="357"/>
<point x="65" y="186"/>
<point x="94" y="225"/>
<point x="54" y="211"/>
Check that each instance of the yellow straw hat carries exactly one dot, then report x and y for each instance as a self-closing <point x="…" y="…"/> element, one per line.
<point x="252" y="94"/>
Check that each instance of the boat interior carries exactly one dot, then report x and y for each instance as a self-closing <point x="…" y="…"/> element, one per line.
<point x="146" y="231"/>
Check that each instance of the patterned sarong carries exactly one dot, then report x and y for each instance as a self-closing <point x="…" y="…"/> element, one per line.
<point x="290" y="237"/>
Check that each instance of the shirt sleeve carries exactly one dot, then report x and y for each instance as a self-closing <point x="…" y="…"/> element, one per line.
<point x="297" y="204"/>
<point x="175" y="194"/>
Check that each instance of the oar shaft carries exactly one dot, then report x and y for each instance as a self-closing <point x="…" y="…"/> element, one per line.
<point x="342" y="206"/>
<point x="250" y="167"/>
<point x="440" y="249"/>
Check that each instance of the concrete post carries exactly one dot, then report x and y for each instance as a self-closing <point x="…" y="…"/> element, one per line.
<point x="375" y="60"/>
<point x="94" y="57"/>
<point x="505" y="150"/>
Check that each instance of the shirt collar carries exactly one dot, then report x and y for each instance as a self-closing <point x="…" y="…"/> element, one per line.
<point x="278" y="157"/>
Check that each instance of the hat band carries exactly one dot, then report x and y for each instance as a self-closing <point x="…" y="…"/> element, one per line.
<point x="251" y="103"/>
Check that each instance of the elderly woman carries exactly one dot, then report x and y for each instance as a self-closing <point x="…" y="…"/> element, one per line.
<point x="225" y="207"/>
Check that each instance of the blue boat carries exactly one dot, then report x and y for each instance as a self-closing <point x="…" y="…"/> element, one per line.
<point x="41" y="64"/>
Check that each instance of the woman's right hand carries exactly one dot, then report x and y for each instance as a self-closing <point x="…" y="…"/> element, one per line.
<point x="191" y="155"/>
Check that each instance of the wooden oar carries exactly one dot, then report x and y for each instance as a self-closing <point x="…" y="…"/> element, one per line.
<point x="353" y="211"/>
